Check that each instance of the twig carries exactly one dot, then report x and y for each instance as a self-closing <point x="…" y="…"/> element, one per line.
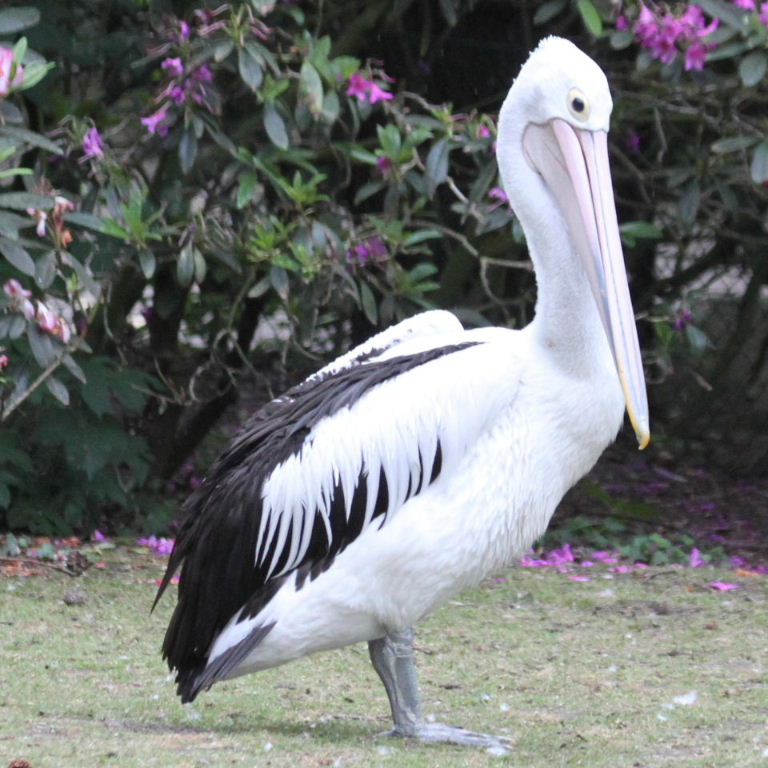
<point x="36" y="562"/>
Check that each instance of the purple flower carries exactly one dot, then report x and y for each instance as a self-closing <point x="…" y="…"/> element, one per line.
<point x="683" y="318"/>
<point x="177" y="95"/>
<point x="183" y="31"/>
<point x="154" y="123"/>
<point x="384" y="166"/>
<point x="497" y="193"/>
<point x="695" y="56"/>
<point x="203" y="74"/>
<point x="763" y="14"/>
<point x="98" y="536"/>
<point x="366" y="90"/>
<point x="174" y="67"/>
<point x="159" y="546"/>
<point x="747" y="5"/>
<point x="633" y="142"/>
<point x="373" y="248"/>
<point x="695" y="560"/>
<point x="723" y="586"/>
<point x="483" y="132"/>
<point x="92" y="144"/>
<point x="622" y="23"/>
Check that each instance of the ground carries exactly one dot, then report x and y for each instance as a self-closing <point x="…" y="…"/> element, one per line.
<point x="620" y="643"/>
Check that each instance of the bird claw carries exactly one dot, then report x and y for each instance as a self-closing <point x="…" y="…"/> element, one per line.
<point x="448" y="734"/>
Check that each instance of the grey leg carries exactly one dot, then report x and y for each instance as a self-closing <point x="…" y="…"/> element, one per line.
<point x="392" y="658"/>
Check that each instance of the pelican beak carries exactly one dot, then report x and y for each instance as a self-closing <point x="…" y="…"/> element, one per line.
<point x="574" y="164"/>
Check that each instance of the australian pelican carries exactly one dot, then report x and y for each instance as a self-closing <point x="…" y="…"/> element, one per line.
<point x="422" y="460"/>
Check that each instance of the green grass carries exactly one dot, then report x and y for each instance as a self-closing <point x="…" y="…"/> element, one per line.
<point x="576" y="674"/>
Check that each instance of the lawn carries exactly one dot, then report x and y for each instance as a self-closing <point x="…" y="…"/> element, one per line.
<point x="650" y="668"/>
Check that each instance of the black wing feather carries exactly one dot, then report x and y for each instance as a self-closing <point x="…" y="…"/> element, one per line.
<point x="218" y="540"/>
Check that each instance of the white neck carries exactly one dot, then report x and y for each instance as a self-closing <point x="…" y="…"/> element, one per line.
<point x="567" y="324"/>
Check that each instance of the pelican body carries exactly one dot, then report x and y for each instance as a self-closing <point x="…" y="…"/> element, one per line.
<point x="430" y="456"/>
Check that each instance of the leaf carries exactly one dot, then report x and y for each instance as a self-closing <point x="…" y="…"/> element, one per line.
<point x="547" y="11"/>
<point x="250" y="69"/>
<point x="45" y="270"/>
<point x="437" y="165"/>
<point x="41" y="345"/>
<point x="17" y="256"/>
<point x="311" y="87"/>
<point x="732" y="144"/>
<point x="57" y="389"/>
<point x="30" y="137"/>
<point x="185" y="266"/>
<point x="419" y="237"/>
<point x="752" y="68"/>
<point x="590" y="17"/>
<point x="275" y="126"/>
<point x="368" y="303"/>
<point x="279" y="279"/>
<point x="187" y="149"/>
<point x="13" y="20"/>
<point x="641" y="230"/>
<point x="23" y="200"/>
<point x="200" y="266"/>
<point x="147" y="262"/>
<point x="758" y="169"/>
<point x="74" y="368"/>
<point x="689" y="202"/>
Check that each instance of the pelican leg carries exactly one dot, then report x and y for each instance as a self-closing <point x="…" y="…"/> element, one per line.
<point x="392" y="658"/>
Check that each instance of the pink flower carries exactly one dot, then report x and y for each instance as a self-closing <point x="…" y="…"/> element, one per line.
<point x="183" y="31"/>
<point x="622" y="23"/>
<point x="203" y="74"/>
<point x="695" y="560"/>
<point x="580" y="578"/>
<point x="62" y="330"/>
<point x="46" y="320"/>
<point x="747" y="5"/>
<point x="4" y="361"/>
<point x="14" y="288"/>
<point x="174" y="67"/>
<point x="7" y="62"/>
<point x="384" y="166"/>
<point x="177" y="95"/>
<point x="497" y="193"/>
<point x="723" y="586"/>
<point x="366" y="90"/>
<point x="159" y="546"/>
<point x="92" y="145"/>
<point x="763" y="14"/>
<point x="483" y="132"/>
<point x="154" y="123"/>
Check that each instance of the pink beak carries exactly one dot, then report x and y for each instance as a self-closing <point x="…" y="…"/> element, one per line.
<point x="574" y="164"/>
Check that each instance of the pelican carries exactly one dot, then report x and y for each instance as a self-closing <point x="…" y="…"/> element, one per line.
<point x="426" y="458"/>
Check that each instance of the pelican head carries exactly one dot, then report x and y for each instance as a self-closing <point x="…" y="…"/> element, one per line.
<point x="553" y="158"/>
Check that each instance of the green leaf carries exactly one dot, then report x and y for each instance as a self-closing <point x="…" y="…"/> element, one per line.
<point x="17" y="256"/>
<point x="368" y="303"/>
<point x="13" y="20"/>
<point x="45" y="270"/>
<point x="275" y="126"/>
<point x="57" y="389"/>
<point x="689" y="202"/>
<point x="641" y="230"/>
<point x="590" y="17"/>
<point x="41" y="345"/>
<point x="23" y="200"/>
<point x="250" y="69"/>
<point x="200" y="266"/>
<point x="30" y="137"/>
<point x="752" y="68"/>
<point x="147" y="262"/>
<point x="185" y="266"/>
<point x="245" y="188"/>
<point x="732" y="144"/>
<point x="437" y="165"/>
<point x="311" y="87"/>
<point x="758" y="169"/>
<point x="547" y="11"/>
<point x="187" y="149"/>
<point x="419" y="237"/>
<point x="74" y="368"/>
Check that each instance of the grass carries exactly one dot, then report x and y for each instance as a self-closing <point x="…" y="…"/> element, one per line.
<point x="575" y="673"/>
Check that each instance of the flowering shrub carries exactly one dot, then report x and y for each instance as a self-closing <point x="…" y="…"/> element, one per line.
<point x="252" y="182"/>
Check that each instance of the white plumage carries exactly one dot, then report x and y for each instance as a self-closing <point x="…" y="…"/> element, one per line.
<point x="421" y="461"/>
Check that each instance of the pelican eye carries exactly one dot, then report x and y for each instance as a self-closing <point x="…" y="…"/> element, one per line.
<point x="578" y="104"/>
